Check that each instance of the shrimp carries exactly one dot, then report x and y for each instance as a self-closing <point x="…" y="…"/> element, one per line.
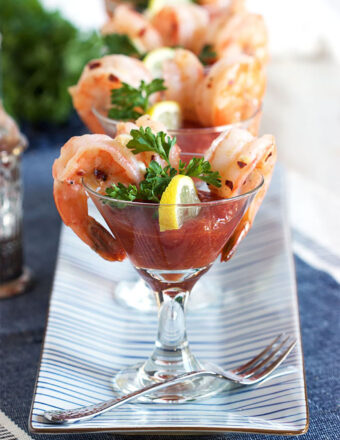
<point x="103" y="161"/>
<point x="216" y="7"/>
<point x="97" y="80"/>
<point x="231" y="91"/>
<point x="242" y="161"/>
<point x="156" y="127"/>
<point x="125" y="20"/>
<point x="233" y="5"/>
<point x="182" y="25"/>
<point x="243" y="32"/>
<point x="182" y="74"/>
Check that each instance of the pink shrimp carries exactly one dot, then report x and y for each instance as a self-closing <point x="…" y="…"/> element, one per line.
<point x="102" y="161"/>
<point x="242" y="161"/>
<point x="218" y="7"/>
<point x="231" y="91"/>
<point x="182" y="74"/>
<point x="182" y="25"/>
<point x="242" y="32"/>
<point x="124" y="20"/>
<point x="99" y="77"/>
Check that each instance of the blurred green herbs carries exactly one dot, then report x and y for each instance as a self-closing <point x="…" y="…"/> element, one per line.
<point x="42" y="55"/>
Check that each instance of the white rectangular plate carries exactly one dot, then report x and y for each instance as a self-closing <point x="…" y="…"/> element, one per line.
<point x="89" y="337"/>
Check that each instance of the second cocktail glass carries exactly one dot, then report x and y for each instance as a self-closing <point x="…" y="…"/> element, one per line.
<point x="195" y="140"/>
<point x="171" y="262"/>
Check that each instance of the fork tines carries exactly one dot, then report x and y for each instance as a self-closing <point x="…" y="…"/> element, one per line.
<point x="268" y="360"/>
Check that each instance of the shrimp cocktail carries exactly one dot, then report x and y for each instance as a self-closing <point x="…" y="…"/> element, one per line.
<point x="211" y="58"/>
<point x="170" y="218"/>
<point x="199" y="69"/>
<point x="211" y="29"/>
<point x="172" y="86"/>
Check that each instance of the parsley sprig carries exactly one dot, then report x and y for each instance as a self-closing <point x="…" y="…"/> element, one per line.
<point x="121" y="44"/>
<point x="151" y="188"/>
<point x="129" y="103"/>
<point x="200" y="168"/>
<point x="157" y="178"/>
<point x="144" y="140"/>
<point x="207" y="54"/>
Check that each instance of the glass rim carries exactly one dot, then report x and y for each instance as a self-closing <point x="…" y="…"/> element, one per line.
<point x="181" y="205"/>
<point x="184" y="131"/>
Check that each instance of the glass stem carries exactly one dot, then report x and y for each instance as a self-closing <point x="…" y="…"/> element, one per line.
<point x="171" y="355"/>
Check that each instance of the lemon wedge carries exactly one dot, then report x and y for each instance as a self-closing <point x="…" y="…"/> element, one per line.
<point x="155" y="58"/>
<point x="155" y="5"/>
<point x="181" y="189"/>
<point x="167" y="112"/>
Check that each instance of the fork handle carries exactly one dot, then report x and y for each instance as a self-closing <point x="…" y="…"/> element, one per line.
<point x="88" y="412"/>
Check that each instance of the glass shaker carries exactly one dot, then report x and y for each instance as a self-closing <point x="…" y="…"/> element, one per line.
<point x="14" y="278"/>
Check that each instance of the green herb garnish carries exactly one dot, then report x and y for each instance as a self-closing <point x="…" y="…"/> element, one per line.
<point x="129" y="103"/>
<point x="207" y="54"/>
<point x="157" y="178"/>
<point x="151" y="188"/>
<point x="122" y="192"/>
<point x="144" y="140"/>
<point x="200" y="168"/>
<point x="121" y="44"/>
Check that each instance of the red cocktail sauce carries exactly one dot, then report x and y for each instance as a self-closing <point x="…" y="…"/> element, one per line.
<point x="195" y="245"/>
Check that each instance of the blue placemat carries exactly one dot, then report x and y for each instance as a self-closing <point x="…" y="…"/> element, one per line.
<point x="22" y="319"/>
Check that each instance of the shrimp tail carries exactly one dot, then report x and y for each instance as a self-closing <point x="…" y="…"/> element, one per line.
<point x="103" y="242"/>
<point x="230" y="247"/>
<point x="265" y="168"/>
<point x="87" y="229"/>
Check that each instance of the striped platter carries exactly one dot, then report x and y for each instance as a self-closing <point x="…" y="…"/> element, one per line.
<point x="90" y="336"/>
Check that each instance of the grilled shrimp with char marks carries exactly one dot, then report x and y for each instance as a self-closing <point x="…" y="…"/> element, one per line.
<point x="243" y="32"/>
<point x="182" y="74"/>
<point x="125" y="20"/>
<point x="101" y="161"/>
<point x="182" y="25"/>
<point x="97" y="80"/>
<point x="242" y="161"/>
<point x="231" y="91"/>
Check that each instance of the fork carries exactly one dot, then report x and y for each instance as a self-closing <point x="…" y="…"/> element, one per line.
<point x="249" y="373"/>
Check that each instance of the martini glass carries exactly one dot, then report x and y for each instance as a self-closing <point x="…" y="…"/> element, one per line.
<point x="194" y="141"/>
<point x="171" y="262"/>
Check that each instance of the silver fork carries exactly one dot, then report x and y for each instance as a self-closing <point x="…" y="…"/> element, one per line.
<point x="249" y="373"/>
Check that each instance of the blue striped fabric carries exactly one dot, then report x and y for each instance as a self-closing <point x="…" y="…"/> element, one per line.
<point x="90" y="337"/>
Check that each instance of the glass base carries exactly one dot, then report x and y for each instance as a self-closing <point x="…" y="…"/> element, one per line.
<point x="135" y="377"/>
<point x="137" y="296"/>
<point x="16" y="286"/>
